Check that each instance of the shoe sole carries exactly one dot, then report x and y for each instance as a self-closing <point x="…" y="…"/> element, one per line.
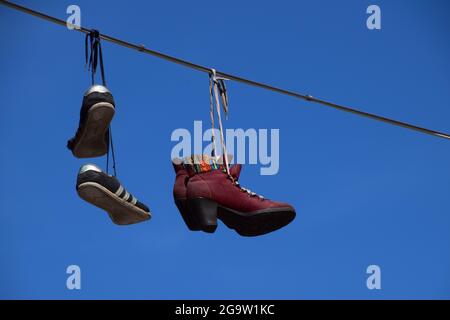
<point x="92" y="139"/>
<point x="203" y="214"/>
<point x="120" y="211"/>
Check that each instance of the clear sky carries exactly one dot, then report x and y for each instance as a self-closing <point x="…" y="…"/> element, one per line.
<point x="365" y="192"/>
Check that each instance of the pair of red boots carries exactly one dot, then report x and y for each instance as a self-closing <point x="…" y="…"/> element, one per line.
<point x="205" y="192"/>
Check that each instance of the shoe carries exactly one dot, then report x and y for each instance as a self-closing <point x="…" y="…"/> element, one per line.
<point x="213" y="194"/>
<point x="180" y="193"/>
<point x="180" y="196"/>
<point x="97" y="111"/>
<point x="106" y="192"/>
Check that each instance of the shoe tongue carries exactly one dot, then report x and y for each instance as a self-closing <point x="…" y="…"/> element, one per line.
<point x="96" y="88"/>
<point x="88" y="167"/>
<point x="235" y="171"/>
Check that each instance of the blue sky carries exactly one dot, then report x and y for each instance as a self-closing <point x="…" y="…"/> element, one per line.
<point x="366" y="192"/>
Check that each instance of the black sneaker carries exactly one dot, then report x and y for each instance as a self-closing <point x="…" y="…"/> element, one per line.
<point x="96" y="114"/>
<point x="106" y="192"/>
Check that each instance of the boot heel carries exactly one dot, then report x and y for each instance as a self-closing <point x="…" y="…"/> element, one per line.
<point x="188" y="218"/>
<point x="205" y="213"/>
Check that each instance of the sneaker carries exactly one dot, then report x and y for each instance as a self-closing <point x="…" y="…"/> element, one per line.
<point x="106" y="192"/>
<point x="97" y="111"/>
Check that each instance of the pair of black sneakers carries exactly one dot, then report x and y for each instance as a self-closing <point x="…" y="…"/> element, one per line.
<point x="92" y="140"/>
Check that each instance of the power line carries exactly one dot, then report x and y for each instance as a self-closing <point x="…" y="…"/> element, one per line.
<point x="143" y="49"/>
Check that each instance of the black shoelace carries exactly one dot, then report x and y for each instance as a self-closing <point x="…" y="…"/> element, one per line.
<point x="94" y="57"/>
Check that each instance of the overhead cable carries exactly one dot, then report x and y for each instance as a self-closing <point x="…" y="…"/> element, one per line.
<point x="198" y="67"/>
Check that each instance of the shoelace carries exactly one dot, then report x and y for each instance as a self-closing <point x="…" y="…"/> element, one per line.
<point x="111" y="148"/>
<point x="94" y="57"/>
<point x="248" y="191"/>
<point x="217" y="88"/>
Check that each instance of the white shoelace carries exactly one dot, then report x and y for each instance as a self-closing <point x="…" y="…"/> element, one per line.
<point x="216" y="88"/>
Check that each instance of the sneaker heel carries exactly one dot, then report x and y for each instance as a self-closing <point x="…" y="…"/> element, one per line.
<point x="189" y="219"/>
<point x="205" y="213"/>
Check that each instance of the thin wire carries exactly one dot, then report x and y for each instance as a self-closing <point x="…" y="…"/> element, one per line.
<point x="143" y="49"/>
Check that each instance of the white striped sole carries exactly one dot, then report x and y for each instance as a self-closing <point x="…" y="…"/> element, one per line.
<point x="120" y="211"/>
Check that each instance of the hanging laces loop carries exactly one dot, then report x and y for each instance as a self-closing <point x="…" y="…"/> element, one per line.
<point x="94" y="55"/>
<point x="212" y="79"/>
<point x="217" y="88"/>
<point x="94" y="58"/>
<point x="220" y="82"/>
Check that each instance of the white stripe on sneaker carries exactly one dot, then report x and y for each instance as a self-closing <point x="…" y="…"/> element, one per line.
<point x="126" y="196"/>
<point x="119" y="191"/>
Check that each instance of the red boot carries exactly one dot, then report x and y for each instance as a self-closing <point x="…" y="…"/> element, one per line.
<point x="213" y="191"/>
<point x="213" y="194"/>
<point x="180" y="192"/>
<point x="180" y="196"/>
